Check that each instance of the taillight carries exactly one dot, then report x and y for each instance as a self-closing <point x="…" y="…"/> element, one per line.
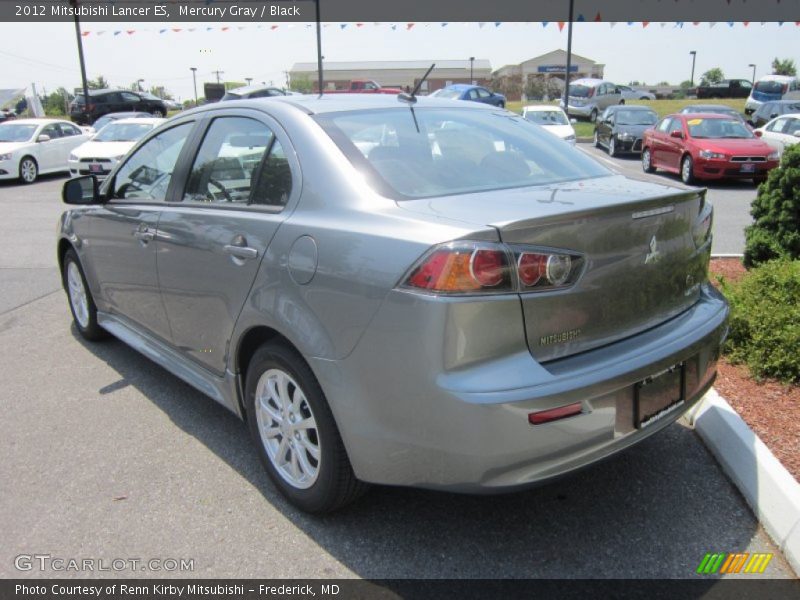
<point x="554" y="414"/>
<point x="480" y="267"/>
<point x="463" y="267"/>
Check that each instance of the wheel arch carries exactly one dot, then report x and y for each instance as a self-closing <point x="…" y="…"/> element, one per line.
<point x="63" y="246"/>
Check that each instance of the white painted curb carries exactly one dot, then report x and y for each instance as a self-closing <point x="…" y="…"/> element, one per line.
<point x="769" y="489"/>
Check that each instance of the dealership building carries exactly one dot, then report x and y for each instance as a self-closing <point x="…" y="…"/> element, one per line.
<point x="394" y="73"/>
<point x="549" y="67"/>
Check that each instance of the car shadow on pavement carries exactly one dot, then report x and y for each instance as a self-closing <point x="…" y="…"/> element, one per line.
<point x="16" y="183"/>
<point x="653" y="511"/>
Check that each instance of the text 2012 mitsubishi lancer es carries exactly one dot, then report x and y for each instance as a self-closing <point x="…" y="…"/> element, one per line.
<point x="399" y="290"/>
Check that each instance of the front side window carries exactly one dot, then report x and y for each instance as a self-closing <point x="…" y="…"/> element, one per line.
<point x="442" y="151"/>
<point x="482" y="93"/>
<point x="226" y="168"/>
<point x="675" y="125"/>
<point x="52" y="130"/>
<point x="663" y="127"/>
<point x="147" y="173"/>
<point x="128" y="97"/>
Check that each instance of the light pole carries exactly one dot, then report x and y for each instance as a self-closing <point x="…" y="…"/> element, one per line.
<point x="754" y="73"/>
<point x="248" y="80"/>
<point x="471" y="64"/>
<point x="194" y="80"/>
<point x="139" y="84"/>
<point x="569" y="55"/>
<point x="694" y="58"/>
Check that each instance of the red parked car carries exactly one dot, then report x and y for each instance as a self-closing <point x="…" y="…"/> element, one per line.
<point x="707" y="146"/>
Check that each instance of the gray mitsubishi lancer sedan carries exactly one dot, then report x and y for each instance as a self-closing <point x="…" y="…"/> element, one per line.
<point x="399" y="290"/>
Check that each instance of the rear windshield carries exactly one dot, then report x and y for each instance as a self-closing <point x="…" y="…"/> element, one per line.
<point x="718" y="129"/>
<point x="429" y="152"/>
<point x="547" y="117"/>
<point x="445" y="93"/>
<point x="636" y="117"/>
<point x="770" y="87"/>
<point x="122" y="132"/>
<point x="579" y="91"/>
<point x="16" y="133"/>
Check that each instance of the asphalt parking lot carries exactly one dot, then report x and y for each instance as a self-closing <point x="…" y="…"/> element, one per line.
<point x="108" y="456"/>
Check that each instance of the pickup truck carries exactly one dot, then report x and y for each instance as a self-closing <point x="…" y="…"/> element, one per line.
<point x="365" y="86"/>
<point x="727" y="88"/>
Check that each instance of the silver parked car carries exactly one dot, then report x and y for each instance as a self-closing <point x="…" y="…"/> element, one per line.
<point x="590" y="97"/>
<point x="416" y="292"/>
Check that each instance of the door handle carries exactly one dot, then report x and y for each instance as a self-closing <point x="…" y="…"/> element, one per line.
<point x="144" y="234"/>
<point x="243" y="252"/>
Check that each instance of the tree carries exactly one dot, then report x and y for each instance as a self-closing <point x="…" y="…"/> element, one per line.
<point x="685" y="85"/>
<point x="57" y="103"/>
<point x="714" y="75"/>
<point x="301" y="83"/>
<point x="100" y="83"/>
<point x="784" y="67"/>
<point x="161" y="92"/>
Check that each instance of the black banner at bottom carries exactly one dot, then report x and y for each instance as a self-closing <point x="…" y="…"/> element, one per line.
<point x="347" y="589"/>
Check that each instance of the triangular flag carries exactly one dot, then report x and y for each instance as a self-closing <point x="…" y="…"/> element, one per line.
<point x="274" y="27"/>
<point x="645" y="23"/>
<point x="161" y="30"/>
<point x="612" y="24"/>
<point x="544" y="23"/>
<point x="224" y="28"/>
<point x="598" y="18"/>
<point x="394" y="27"/>
<point x="409" y="26"/>
<point x="359" y="24"/>
<point x="712" y="24"/>
<point x="117" y="32"/>
<point x="131" y="31"/>
<point x="498" y="23"/>
<point x="561" y="25"/>
<point x="480" y="25"/>
<point x="85" y="33"/>
<point x="746" y="23"/>
<point x="342" y="25"/>
<point x="444" y="24"/>
<point x="176" y="29"/>
<point x="580" y="19"/>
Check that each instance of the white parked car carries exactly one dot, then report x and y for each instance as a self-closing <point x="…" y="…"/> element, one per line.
<point x="30" y="147"/>
<point x="628" y="93"/>
<point x="101" y="153"/>
<point x="553" y="119"/>
<point x="781" y="132"/>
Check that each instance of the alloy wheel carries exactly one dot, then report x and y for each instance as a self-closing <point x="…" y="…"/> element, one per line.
<point x="28" y="170"/>
<point x="77" y="295"/>
<point x="288" y="428"/>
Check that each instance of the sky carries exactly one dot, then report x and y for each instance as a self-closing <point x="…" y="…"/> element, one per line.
<point x="46" y="53"/>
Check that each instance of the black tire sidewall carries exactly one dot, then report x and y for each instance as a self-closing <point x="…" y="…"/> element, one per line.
<point x="321" y="496"/>
<point x="92" y="331"/>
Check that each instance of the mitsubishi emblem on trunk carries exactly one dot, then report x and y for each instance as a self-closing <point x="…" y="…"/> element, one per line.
<point x="654" y="255"/>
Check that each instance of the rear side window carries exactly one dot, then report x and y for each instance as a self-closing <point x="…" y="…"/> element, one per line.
<point x="770" y="87"/>
<point x="240" y="162"/>
<point x="436" y="152"/>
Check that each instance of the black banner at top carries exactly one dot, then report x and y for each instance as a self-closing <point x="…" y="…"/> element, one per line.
<point x="238" y="11"/>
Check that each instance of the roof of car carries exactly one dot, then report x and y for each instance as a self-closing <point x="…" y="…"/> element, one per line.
<point x="124" y="115"/>
<point x="35" y="121"/>
<point x="138" y="121"/>
<point x="634" y="107"/>
<point x="328" y="103"/>
<point x="461" y="86"/>
<point x="702" y="115"/>
<point x="249" y="89"/>
<point x="542" y="107"/>
<point x="710" y="107"/>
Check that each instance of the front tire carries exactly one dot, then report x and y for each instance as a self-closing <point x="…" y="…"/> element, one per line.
<point x="81" y="303"/>
<point x="593" y="116"/>
<point x="687" y="170"/>
<point x="612" y="146"/>
<point x="158" y="114"/>
<point x="647" y="161"/>
<point x="28" y="169"/>
<point x="596" y="139"/>
<point x="295" y="433"/>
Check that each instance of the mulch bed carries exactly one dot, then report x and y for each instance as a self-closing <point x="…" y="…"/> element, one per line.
<point x="770" y="408"/>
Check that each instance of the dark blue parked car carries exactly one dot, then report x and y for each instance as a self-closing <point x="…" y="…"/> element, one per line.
<point x="475" y="93"/>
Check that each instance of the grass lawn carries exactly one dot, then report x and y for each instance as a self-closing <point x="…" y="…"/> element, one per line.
<point x="583" y="128"/>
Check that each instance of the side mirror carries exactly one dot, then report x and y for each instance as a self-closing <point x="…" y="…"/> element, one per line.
<point x="81" y="190"/>
<point x="43" y="138"/>
<point x="758" y="133"/>
<point x="676" y="134"/>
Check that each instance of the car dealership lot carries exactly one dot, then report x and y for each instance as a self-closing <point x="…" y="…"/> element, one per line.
<point x="108" y="456"/>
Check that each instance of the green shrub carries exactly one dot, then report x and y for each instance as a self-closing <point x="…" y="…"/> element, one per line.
<point x="765" y="320"/>
<point x="776" y="211"/>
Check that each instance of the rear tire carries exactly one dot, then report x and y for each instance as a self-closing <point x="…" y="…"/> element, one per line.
<point x="295" y="433"/>
<point x="81" y="303"/>
<point x="647" y="161"/>
<point x="593" y="116"/>
<point x="687" y="170"/>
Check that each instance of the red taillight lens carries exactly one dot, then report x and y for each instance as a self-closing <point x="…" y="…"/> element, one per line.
<point x="463" y="267"/>
<point x="554" y="414"/>
<point x="531" y="268"/>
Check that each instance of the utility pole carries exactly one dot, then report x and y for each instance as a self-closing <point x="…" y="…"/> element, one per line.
<point x="74" y="4"/>
<point x="569" y="56"/>
<point x="286" y="74"/>
<point x="319" y="49"/>
<point x="471" y="63"/>
<point x="218" y="73"/>
<point x="694" y="58"/>
<point x="194" y="80"/>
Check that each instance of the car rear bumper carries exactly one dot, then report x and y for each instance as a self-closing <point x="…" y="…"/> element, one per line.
<point x="466" y="429"/>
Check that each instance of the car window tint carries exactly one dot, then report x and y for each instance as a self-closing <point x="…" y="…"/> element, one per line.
<point x="128" y="97"/>
<point x="777" y="125"/>
<point x="52" y="130"/>
<point x="435" y="152"/>
<point x="147" y="173"/>
<point x="675" y="125"/>
<point x="273" y="184"/>
<point x="482" y="93"/>
<point x="224" y="168"/>
<point x="664" y="125"/>
<point x="67" y="129"/>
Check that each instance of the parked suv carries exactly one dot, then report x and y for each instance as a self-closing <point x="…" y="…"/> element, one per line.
<point x="590" y="97"/>
<point x="102" y="102"/>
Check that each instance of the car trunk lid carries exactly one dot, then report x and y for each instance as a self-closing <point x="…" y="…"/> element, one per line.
<point x="639" y="260"/>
